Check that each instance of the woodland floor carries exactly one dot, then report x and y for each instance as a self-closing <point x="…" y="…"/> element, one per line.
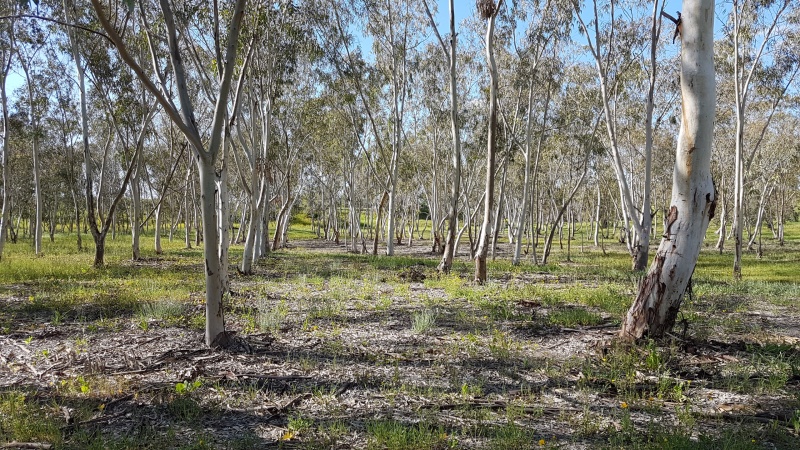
<point x="338" y="350"/>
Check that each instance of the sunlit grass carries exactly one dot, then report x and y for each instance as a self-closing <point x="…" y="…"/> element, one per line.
<point x="319" y="292"/>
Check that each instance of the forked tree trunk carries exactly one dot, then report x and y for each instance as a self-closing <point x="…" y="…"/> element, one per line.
<point x="656" y="306"/>
<point x="206" y="155"/>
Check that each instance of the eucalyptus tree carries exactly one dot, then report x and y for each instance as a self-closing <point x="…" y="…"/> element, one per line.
<point x="658" y="301"/>
<point x="292" y="122"/>
<point x="129" y="114"/>
<point x="777" y="153"/>
<point x="548" y="25"/>
<point x="184" y="117"/>
<point x="762" y="36"/>
<point x="451" y="57"/>
<point x="31" y="41"/>
<point x="280" y="40"/>
<point x="614" y="47"/>
<point x="489" y="12"/>
<point x="575" y="146"/>
<point x="160" y="175"/>
<point x="7" y="48"/>
<point x="428" y="111"/>
<point x="395" y="30"/>
<point x="64" y="121"/>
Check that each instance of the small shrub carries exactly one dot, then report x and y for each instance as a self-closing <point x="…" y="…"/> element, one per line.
<point x="167" y="309"/>
<point x="423" y="321"/>
<point x="271" y="318"/>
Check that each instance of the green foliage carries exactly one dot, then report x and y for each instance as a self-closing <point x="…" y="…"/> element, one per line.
<point x="396" y="435"/>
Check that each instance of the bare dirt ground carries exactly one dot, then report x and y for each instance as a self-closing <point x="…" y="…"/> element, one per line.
<point x="342" y="355"/>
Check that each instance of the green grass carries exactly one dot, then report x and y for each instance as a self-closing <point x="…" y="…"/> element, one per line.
<point x="571" y="317"/>
<point x="25" y="420"/>
<point x="396" y="435"/>
<point x="486" y="344"/>
<point x="423" y="321"/>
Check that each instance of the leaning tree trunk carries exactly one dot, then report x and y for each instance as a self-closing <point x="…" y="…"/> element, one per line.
<point x="656" y="306"/>
<point x="766" y="192"/>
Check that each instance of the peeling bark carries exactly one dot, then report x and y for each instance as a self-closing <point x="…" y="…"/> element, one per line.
<point x="694" y="196"/>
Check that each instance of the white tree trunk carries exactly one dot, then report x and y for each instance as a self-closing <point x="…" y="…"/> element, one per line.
<point x="223" y="225"/>
<point x="483" y="243"/>
<point x="136" y="210"/>
<point x="187" y="223"/>
<point x="451" y="241"/>
<point x="762" y="205"/>
<point x="641" y="247"/>
<point x="5" y="216"/>
<point x="33" y="122"/>
<point x="529" y="186"/>
<point x="157" y="244"/>
<point x="655" y="309"/>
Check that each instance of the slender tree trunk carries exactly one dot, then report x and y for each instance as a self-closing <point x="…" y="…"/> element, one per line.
<point x="762" y="204"/>
<point x="77" y="208"/>
<point x="722" y="218"/>
<point x="480" y="257"/>
<point x="656" y="307"/>
<point x="529" y="186"/>
<point x="450" y="242"/>
<point x="737" y="223"/>
<point x="378" y="216"/>
<point x="223" y="217"/>
<point x="136" y="213"/>
<point x="37" y="188"/>
<point x="157" y="243"/>
<point x="187" y="201"/>
<point x="642" y="246"/>
<point x="215" y="325"/>
<point x="5" y="215"/>
<point x="596" y="232"/>
<point x="498" y="213"/>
